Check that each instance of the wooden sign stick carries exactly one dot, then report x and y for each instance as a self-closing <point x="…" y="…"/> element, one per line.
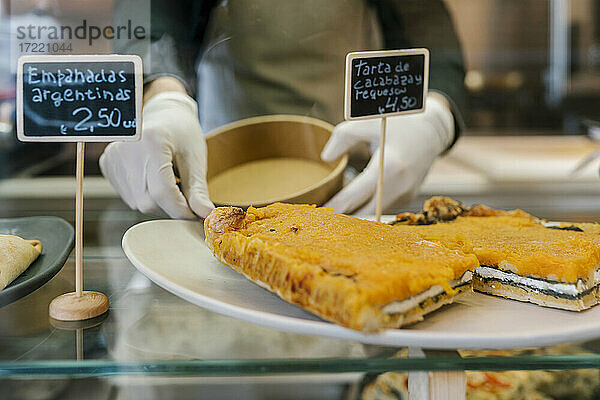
<point x="79" y="219"/>
<point x="79" y="305"/>
<point x="379" y="191"/>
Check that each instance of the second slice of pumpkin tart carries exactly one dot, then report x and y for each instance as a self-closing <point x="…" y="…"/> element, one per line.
<point x="520" y="256"/>
<point x="360" y="274"/>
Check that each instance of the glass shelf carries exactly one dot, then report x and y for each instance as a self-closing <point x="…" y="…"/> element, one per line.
<point x="150" y="332"/>
<point x="102" y="368"/>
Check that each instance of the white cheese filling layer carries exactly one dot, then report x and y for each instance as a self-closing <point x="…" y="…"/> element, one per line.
<point x="397" y="307"/>
<point x="572" y="289"/>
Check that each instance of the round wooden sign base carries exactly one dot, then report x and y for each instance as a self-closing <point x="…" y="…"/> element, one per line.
<point x="70" y="307"/>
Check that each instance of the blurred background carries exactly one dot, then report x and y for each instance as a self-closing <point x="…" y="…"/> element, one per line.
<point x="533" y="67"/>
<point x="532" y="70"/>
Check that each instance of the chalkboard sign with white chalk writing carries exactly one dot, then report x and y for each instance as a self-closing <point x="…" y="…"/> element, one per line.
<point x="385" y="83"/>
<point x="85" y="98"/>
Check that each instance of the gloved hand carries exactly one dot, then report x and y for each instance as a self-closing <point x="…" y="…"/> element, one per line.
<point x="412" y="143"/>
<point x="143" y="172"/>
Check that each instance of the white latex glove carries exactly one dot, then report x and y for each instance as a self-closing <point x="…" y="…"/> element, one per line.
<point x="143" y="172"/>
<point x="412" y="143"/>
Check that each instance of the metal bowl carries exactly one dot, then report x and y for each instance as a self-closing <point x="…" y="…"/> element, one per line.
<point x="268" y="138"/>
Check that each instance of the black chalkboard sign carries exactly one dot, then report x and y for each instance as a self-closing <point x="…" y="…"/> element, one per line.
<point x="79" y="98"/>
<point x="384" y="83"/>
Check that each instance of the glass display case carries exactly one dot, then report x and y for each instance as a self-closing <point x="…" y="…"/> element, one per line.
<point x="530" y="140"/>
<point x="154" y="343"/>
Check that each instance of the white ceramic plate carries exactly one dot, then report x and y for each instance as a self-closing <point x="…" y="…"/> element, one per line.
<point x="173" y="255"/>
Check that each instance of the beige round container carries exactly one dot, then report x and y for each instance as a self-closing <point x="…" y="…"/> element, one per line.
<point x="266" y="159"/>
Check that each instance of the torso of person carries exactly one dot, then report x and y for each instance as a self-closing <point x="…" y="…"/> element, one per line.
<point x="264" y="57"/>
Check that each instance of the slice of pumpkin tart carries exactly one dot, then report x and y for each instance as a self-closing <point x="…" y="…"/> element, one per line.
<point x="521" y="257"/>
<point x="359" y="274"/>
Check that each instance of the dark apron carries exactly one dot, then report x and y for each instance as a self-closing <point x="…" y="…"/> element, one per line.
<point x="280" y="57"/>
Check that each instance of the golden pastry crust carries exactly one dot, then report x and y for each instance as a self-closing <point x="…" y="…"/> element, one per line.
<point x="16" y="255"/>
<point x="341" y="268"/>
<point x="443" y="209"/>
<point x="517" y="242"/>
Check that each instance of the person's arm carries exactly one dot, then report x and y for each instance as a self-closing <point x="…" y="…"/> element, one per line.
<point x="418" y="23"/>
<point x="172" y="144"/>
